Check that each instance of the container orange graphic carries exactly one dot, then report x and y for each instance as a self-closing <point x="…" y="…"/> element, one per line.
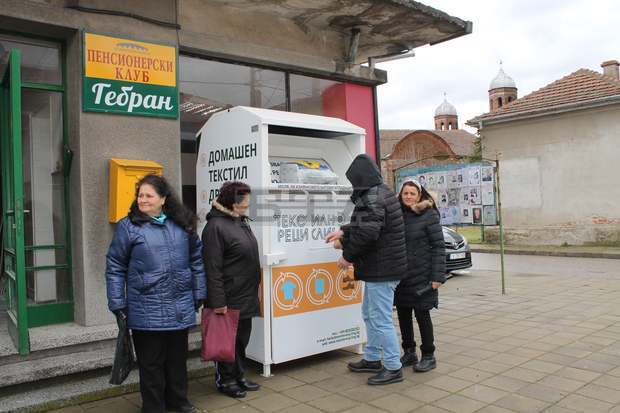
<point x="304" y="288"/>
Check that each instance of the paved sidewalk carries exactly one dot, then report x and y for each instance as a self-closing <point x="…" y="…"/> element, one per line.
<point x="551" y="250"/>
<point x="551" y="344"/>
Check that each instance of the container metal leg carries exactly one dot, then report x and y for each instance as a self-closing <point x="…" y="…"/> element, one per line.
<point x="266" y="370"/>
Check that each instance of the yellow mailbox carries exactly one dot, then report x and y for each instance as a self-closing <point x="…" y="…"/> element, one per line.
<point x="124" y="175"/>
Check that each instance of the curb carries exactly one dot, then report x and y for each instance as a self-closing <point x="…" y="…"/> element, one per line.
<point x="574" y="254"/>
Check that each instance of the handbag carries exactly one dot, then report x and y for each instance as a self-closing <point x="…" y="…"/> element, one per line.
<point x="219" y="332"/>
<point x="124" y="359"/>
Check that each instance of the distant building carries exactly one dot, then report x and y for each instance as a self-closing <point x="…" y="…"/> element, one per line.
<point x="401" y="147"/>
<point x="502" y="90"/>
<point x="559" y="151"/>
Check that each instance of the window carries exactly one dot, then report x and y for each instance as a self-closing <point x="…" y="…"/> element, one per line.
<point x="312" y="95"/>
<point x="40" y="60"/>
<point x="207" y="87"/>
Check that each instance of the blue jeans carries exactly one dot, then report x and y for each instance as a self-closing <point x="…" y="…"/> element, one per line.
<point x="377" y="314"/>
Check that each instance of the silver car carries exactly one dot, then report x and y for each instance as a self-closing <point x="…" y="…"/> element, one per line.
<point x="458" y="253"/>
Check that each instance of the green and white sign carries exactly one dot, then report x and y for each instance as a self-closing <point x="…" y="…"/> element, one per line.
<point x="129" y="77"/>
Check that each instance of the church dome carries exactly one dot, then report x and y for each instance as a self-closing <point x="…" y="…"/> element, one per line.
<point x="446" y="108"/>
<point x="502" y="80"/>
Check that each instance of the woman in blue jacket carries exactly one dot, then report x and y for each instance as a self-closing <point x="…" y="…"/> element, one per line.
<point x="155" y="278"/>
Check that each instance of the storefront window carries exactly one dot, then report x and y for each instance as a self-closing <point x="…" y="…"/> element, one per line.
<point x="311" y="95"/>
<point x="40" y="61"/>
<point x="207" y="87"/>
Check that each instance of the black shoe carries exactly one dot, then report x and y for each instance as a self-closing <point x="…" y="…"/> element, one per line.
<point x="386" y="377"/>
<point x="365" y="366"/>
<point x="410" y="358"/>
<point x="185" y="409"/>
<point x="232" y="389"/>
<point x="427" y="363"/>
<point x="248" y="385"/>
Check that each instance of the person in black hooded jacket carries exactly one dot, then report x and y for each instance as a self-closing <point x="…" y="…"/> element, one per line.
<point x="232" y="265"/>
<point x="374" y="242"/>
<point x="417" y="292"/>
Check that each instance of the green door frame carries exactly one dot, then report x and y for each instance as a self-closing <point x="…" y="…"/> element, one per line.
<point x="25" y="314"/>
<point x="13" y="204"/>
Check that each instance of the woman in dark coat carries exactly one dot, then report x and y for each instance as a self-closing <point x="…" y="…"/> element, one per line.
<point x="155" y="279"/>
<point x="233" y="274"/>
<point x="417" y="292"/>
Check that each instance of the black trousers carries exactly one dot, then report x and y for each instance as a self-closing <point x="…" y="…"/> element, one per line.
<point x="425" y="324"/>
<point x="230" y="372"/>
<point x="162" y="361"/>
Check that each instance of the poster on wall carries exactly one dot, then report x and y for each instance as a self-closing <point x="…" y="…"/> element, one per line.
<point x="454" y="214"/>
<point x="488" y="194"/>
<point x="466" y="215"/>
<point x="446" y="219"/>
<point x="486" y="173"/>
<point x="489" y="215"/>
<point x="129" y="77"/>
<point x="452" y="182"/>
<point x="464" y="198"/>
<point x="474" y="195"/>
<point x="422" y="180"/>
<point x="431" y="181"/>
<point x="442" y="199"/>
<point x="476" y="215"/>
<point x="453" y="197"/>
<point x="442" y="182"/>
<point x="461" y="178"/>
<point x="474" y="176"/>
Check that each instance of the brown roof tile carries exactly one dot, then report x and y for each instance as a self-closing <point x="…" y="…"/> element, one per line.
<point x="579" y="87"/>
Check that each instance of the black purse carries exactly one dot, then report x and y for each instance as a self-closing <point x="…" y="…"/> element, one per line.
<point x="124" y="358"/>
<point x="424" y="290"/>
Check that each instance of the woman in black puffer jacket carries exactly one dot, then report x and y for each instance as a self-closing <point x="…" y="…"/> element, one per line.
<point x="426" y="256"/>
<point x="233" y="271"/>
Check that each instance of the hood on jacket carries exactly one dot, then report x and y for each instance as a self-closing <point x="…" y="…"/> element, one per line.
<point x="219" y="210"/>
<point x="363" y="173"/>
<point x="422" y="205"/>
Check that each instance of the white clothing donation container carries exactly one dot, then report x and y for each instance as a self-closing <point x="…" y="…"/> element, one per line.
<point x="295" y="165"/>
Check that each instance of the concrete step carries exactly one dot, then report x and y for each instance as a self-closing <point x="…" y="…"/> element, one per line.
<point x="80" y="388"/>
<point x="66" y="360"/>
<point x="58" y="337"/>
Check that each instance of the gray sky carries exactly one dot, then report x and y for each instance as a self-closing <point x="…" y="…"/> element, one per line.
<point x="539" y="41"/>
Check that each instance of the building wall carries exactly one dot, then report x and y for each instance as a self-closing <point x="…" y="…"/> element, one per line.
<point x="417" y="146"/>
<point x="210" y="30"/>
<point x="558" y="177"/>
